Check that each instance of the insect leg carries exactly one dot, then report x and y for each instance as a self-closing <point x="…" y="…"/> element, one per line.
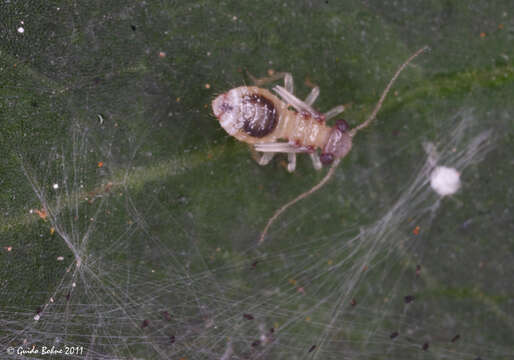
<point x="288" y="82"/>
<point x="291" y="166"/>
<point x="312" y="96"/>
<point x="261" y="157"/>
<point x="316" y="161"/>
<point x="334" y="112"/>
<point x="288" y="79"/>
<point x="292" y="100"/>
<point x="265" y="158"/>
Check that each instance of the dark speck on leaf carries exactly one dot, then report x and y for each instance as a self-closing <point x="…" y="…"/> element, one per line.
<point x="68" y="296"/>
<point x="425" y="346"/>
<point x="145" y="324"/>
<point x="409" y="298"/>
<point x="312" y="348"/>
<point x="272" y="330"/>
<point x="256" y="343"/>
<point x="38" y="310"/>
<point x="354" y="302"/>
<point x="254" y="264"/>
<point x="166" y="315"/>
<point x="172" y="339"/>
<point x="248" y="316"/>
<point x="393" y="335"/>
<point x="133" y="27"/>
<point x="455" y="338"/>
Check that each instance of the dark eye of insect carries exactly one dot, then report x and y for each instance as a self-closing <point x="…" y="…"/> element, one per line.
<point x="326" y="158"/>
<point x="259" y="114"/>
<point x="342" y="125"/>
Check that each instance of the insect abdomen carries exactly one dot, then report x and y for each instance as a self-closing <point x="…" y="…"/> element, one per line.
<point x="260" y="117"/>
<point x="303" y="131"/>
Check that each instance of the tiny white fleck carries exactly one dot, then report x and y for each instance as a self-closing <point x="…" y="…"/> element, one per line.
<point x="51" y="299"/>
<point x="73" y="285"/>
<point x="60" y="258"/>
<point x="21" y="30"/>
<point x="445" y="180"/>
<point x="37" y="317"/>
<point x="234" y="18"/>
<point x="55" y="186"/>
<point x="208" y="53"/>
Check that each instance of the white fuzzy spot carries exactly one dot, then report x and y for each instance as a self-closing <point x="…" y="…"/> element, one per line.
<point x="21" y="30"/>
<point x="445" y="180"/>
<point x="55" y="186"/>
<point x="37" y="317"/>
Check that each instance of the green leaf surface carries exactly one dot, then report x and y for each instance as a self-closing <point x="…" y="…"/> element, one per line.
<point x="130" y="218"/>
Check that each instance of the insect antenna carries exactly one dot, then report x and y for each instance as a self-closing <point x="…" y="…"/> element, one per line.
<point x="353" y="131"/>
<point x="298" y="198"/>
<point x="386" y="91"/>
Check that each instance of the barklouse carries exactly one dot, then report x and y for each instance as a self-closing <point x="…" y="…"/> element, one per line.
<point x="268" y="124"/>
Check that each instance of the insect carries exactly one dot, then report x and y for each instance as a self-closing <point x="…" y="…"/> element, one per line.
<point x="273" y="124"/>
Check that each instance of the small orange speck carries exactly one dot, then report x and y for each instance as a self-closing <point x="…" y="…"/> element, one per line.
<point x="52" y="230"/>
<point x="500" y="26"/>
<point x="100" y="164"/>
<point x="209" y="155"/>
<point x="218" y="249"/>
<point x="308" y="318"/>
<point x="178" y="99"/>
<point x="416" y="230"/>
<point x="483" y="34"/>
<point x="8" y="248"/>
<point x="42" y="213"/>
<point x="292" y="281"/>
<point x="207" y="86"/>
<point x="330" y="262"/>
<point x="162" y="54"/>
<point x="271" y="72"/>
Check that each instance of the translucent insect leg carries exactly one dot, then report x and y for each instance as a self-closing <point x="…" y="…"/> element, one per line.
<point x="288" y="79"/>
<point x="261" y="157"/>
<point x="292" y="100"/>
<point x="291" y="166"/>
<point x="265" y="158"/>
<point x="288" y="82"/>
<point x="316" y="161"/>
<point x="334" y="112"/>
<point x="313" y="95"/>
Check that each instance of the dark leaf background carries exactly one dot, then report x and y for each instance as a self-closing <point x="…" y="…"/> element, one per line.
<point x="130" y="219"/>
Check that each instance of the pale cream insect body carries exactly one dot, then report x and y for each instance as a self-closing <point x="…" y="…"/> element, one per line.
<point x="259" y="118"/>
<point x="268" y="124"/>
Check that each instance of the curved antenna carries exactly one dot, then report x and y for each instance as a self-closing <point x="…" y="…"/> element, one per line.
<point x="298" y="198"/>
<point x="352" y="132"/>
<point x="386" y="91"/>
